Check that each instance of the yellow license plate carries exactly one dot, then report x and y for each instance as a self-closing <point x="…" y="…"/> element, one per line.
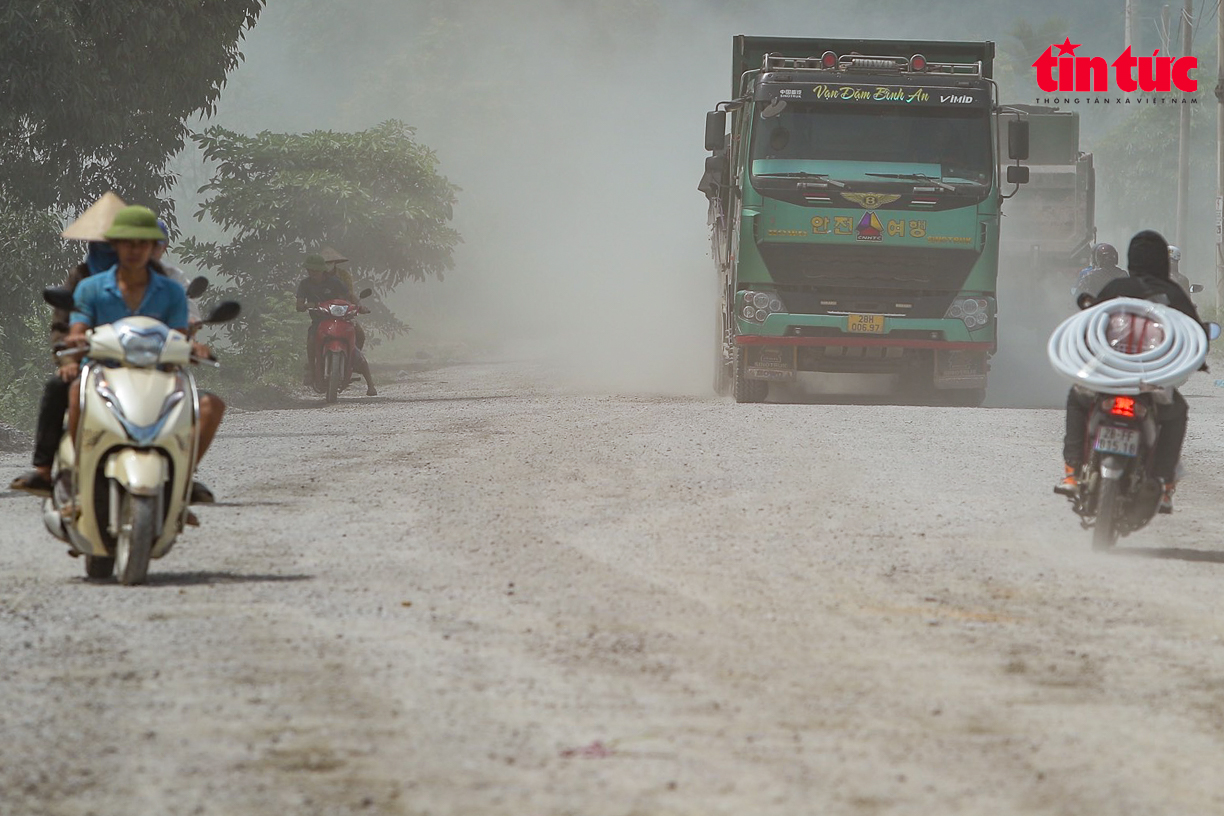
<point x="865" y="324"/>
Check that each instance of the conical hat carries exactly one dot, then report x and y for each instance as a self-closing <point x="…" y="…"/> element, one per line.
<point x="92" y="224"/>
<point x="332" y="256"/>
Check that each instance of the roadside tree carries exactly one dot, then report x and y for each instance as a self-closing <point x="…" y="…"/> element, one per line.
<point x="96" y="97"/>
<point x="375" y="195"/>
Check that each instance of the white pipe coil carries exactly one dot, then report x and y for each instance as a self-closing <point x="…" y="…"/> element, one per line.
<point x="1079" y="350"/>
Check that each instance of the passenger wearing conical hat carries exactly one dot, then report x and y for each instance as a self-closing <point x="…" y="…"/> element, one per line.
<point x="90" y="227"/>
<point x="131" y="286"/>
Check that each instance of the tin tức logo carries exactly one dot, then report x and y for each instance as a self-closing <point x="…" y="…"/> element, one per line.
<point x="1067" y="72"/>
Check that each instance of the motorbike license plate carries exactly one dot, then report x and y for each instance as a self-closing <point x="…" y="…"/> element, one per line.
<point x="1120" y="441"/>
<point x="865" y="324"/>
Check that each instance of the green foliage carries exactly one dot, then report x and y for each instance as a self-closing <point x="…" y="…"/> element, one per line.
<point x="96" y="95"/>
<point x="374" y="195"/>
<point x="36" y="257"/>
<point x="1141" y="151"/>
<point x="273" y="361"/>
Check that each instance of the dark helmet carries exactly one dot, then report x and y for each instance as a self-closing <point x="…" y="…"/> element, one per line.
<point x="1148" y="255"/>
<point x="1104" y="255"/>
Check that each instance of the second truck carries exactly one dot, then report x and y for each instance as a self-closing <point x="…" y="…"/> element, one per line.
<point x="855" y="203"/>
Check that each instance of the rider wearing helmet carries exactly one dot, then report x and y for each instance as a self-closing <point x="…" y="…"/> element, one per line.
<point x="108" y="296"/>
<point x="1148" y="261"/>
<point x="1104" y="269"/>
<point x="1174" y="268"/>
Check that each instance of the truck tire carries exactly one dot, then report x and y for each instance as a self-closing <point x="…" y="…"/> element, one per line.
<point x="723" y="373"/>
<point x="744" y="389"/>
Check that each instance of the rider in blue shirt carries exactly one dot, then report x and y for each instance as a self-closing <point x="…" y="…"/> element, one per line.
<point x="98" y="300"/>
<point x="131" y="288"/>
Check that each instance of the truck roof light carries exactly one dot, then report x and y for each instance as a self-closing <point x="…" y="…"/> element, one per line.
<point x="828" y="59"/>
<point x="918" y="63"/>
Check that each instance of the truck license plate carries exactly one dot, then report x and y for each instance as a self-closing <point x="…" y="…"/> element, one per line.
<point x="865" y="324"/>
<point x="1120" y="441"/>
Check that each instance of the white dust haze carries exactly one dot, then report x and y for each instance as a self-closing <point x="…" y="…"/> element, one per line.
<point x="575" y="132"/>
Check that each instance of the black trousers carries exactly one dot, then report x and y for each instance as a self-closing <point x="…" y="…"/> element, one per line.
<point x="1172" y="420"/>
<point x="50" y="427"/>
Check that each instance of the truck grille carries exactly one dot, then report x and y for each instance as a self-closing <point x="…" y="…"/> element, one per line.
<point x="882" y="273"/>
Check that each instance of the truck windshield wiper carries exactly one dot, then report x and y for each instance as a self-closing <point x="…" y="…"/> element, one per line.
<point x="801" y="174"/>
<point x="915" y="177"/>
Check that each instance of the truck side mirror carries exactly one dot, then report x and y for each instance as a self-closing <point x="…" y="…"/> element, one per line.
<point x="1018" y="140"/>
<point x="716" y="129"/>
<point x="1017" y="174"/>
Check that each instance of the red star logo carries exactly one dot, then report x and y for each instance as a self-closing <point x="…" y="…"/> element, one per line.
<point x="1067" y="47"/>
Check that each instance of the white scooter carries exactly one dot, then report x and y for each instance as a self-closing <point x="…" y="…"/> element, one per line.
<point x="122" y="486"/>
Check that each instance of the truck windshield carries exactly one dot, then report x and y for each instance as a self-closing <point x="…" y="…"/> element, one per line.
<point x="849" y="143"/>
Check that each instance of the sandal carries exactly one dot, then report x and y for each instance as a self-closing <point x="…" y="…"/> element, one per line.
<point x="200" y="494"/>
<point x="32" y="482"/>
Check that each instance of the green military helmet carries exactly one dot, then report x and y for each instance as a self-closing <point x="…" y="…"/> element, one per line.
<point x="134" y="223"/>
<point x="315" y="263"/>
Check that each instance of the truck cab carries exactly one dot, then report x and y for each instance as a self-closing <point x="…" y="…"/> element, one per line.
<point x="855" y="209"/>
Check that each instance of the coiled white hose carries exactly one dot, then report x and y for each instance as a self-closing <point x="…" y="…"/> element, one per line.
<point x="1079" y="349"/>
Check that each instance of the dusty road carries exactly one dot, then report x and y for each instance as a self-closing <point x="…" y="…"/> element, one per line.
<point x="480" y="595"/>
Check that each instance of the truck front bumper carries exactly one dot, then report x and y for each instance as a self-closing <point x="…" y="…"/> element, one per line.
<point x="940" y="352"/>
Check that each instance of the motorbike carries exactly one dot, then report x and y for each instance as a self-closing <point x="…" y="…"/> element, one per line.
<point x="122" y="486"/>
<point x="335" y="345"/>
<point x="1117" y="491"/>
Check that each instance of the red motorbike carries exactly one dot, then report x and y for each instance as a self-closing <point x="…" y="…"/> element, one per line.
<point x="335" y="345"/>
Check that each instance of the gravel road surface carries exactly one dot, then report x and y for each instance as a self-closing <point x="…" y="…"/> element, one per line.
<point x="483" y="593"/>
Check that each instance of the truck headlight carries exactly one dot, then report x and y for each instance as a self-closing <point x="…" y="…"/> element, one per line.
<point x="758" y="306"/>
<point x="974" y="312"/>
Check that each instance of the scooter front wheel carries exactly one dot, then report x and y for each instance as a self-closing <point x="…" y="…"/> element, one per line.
<point x="335" y="372"/>
<point x="137" y="531"/>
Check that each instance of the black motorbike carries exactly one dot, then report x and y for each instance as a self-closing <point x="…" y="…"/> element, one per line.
<point x="1118" y="493"/>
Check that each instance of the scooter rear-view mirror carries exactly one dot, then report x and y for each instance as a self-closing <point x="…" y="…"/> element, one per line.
<point x="58" y="297"/>
<point x="1213" y="331"/>
<point x="197" y="286"/>
<point x="365" y="293"/>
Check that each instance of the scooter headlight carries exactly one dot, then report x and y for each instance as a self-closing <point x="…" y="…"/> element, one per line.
<point x="338" y="309"/>
<point x="142" y="347"/>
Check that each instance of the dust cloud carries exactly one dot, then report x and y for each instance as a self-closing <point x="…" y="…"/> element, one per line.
<point x="575" y="132"/>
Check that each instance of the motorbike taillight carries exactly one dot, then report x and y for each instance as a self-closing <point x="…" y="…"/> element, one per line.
<point x="1123" y="407"/>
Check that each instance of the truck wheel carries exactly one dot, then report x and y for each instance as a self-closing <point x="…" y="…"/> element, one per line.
<point x="744" y="389"/>
<point x="723" y="373"/>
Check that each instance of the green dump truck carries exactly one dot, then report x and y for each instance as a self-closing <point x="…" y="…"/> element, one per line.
<point x="854" y="205"/>
<point x="1050" y="226"/>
